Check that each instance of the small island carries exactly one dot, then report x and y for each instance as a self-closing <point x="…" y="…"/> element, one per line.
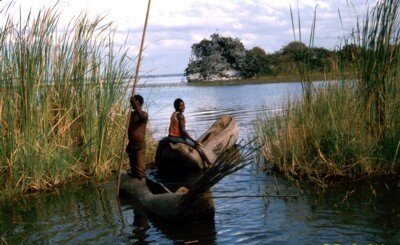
<point x="223" y="58"/>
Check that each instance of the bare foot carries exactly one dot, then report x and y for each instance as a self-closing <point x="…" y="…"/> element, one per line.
<point x="182" y="190"/>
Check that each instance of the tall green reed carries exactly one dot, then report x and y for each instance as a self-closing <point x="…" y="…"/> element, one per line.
<point x="61" y="100"/>
<point x="378" y="64"/>
<point x="350" y="127"/>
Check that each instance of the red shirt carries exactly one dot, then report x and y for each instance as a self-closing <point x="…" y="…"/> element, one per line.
<point x="174" y="129"/>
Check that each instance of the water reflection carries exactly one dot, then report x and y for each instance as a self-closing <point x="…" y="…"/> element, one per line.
<point x="363" y="211"/>
<point x="67" y="216"/>
<point x="198" y="232"/>
<point x="201" y="231"/>
<point x="91" y="214"/>
<point x="140" y="227"/>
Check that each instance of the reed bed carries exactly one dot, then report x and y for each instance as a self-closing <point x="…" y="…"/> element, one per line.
<point x="348" y="128"/>
<point x="62" y="100"/>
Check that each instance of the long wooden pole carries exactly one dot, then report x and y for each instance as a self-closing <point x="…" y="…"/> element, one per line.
<point x="132" y="94"/>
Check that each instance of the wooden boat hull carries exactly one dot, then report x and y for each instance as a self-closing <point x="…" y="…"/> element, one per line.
<point x="167" y="205"/>
<point x="179" y="158"/>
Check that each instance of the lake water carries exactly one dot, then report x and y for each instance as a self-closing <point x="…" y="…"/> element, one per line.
<point x="91" y="214"/>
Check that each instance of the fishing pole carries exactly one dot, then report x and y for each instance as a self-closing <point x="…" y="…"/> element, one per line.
<point x="133" y="93"/>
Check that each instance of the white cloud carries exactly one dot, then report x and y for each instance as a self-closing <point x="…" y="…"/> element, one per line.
<point x="174" y="25"/>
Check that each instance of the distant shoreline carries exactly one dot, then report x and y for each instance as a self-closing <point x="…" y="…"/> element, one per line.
<point x="262" y="79"/>
<point x="247" y="81"/>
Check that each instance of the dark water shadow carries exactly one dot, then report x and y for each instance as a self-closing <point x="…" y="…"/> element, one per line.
<point x="71" y="214"/>
<point x="200" y="230"/>
<point x="369" y="207"/>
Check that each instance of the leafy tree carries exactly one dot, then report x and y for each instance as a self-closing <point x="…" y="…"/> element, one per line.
<point x="275" y="63"/>
<point x="294" y="49"/>
<point x="255" y="63"/>
<point x="213" y="64"/>
<point x="287" y="59"/>
<point x="215" y="56"/>
<point x="296" y="55"/>
<point x="318" y="59"/>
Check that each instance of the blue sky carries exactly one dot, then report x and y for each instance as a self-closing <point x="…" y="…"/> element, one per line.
<point x="174" y="25"/>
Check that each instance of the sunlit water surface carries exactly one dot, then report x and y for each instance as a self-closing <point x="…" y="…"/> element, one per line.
<point x="91" y="214"/>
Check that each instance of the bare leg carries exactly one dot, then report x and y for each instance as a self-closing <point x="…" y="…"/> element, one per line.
<point x="203" y="155"/>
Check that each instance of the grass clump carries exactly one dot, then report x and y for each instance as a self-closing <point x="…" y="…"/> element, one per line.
<point x="348" y="128"/>
<point x="62" y="100"/>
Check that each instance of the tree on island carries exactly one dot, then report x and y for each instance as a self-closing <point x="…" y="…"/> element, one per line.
<point x="255" y="63"/>
<point x="220" y="58"/>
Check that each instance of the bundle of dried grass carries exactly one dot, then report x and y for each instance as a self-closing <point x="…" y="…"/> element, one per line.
<point x="227" y="163"/>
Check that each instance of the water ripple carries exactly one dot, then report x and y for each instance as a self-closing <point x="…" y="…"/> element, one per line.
<point x="92" y="215"/>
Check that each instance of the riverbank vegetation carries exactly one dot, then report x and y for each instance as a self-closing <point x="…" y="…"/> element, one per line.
<point x="225" y="58"/>
<point x="62" y="101"/>
<point x="345" y="129"/>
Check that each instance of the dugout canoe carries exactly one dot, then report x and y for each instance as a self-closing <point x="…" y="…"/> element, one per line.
<point x="179" y="158"/>
<point x="158" y="201"/>
<point x="194" y="201"/>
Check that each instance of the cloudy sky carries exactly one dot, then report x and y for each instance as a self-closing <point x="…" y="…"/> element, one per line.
<point x="174" y="25"/>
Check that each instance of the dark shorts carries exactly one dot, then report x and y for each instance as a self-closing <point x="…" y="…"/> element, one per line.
<point x="137" y="161"/>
